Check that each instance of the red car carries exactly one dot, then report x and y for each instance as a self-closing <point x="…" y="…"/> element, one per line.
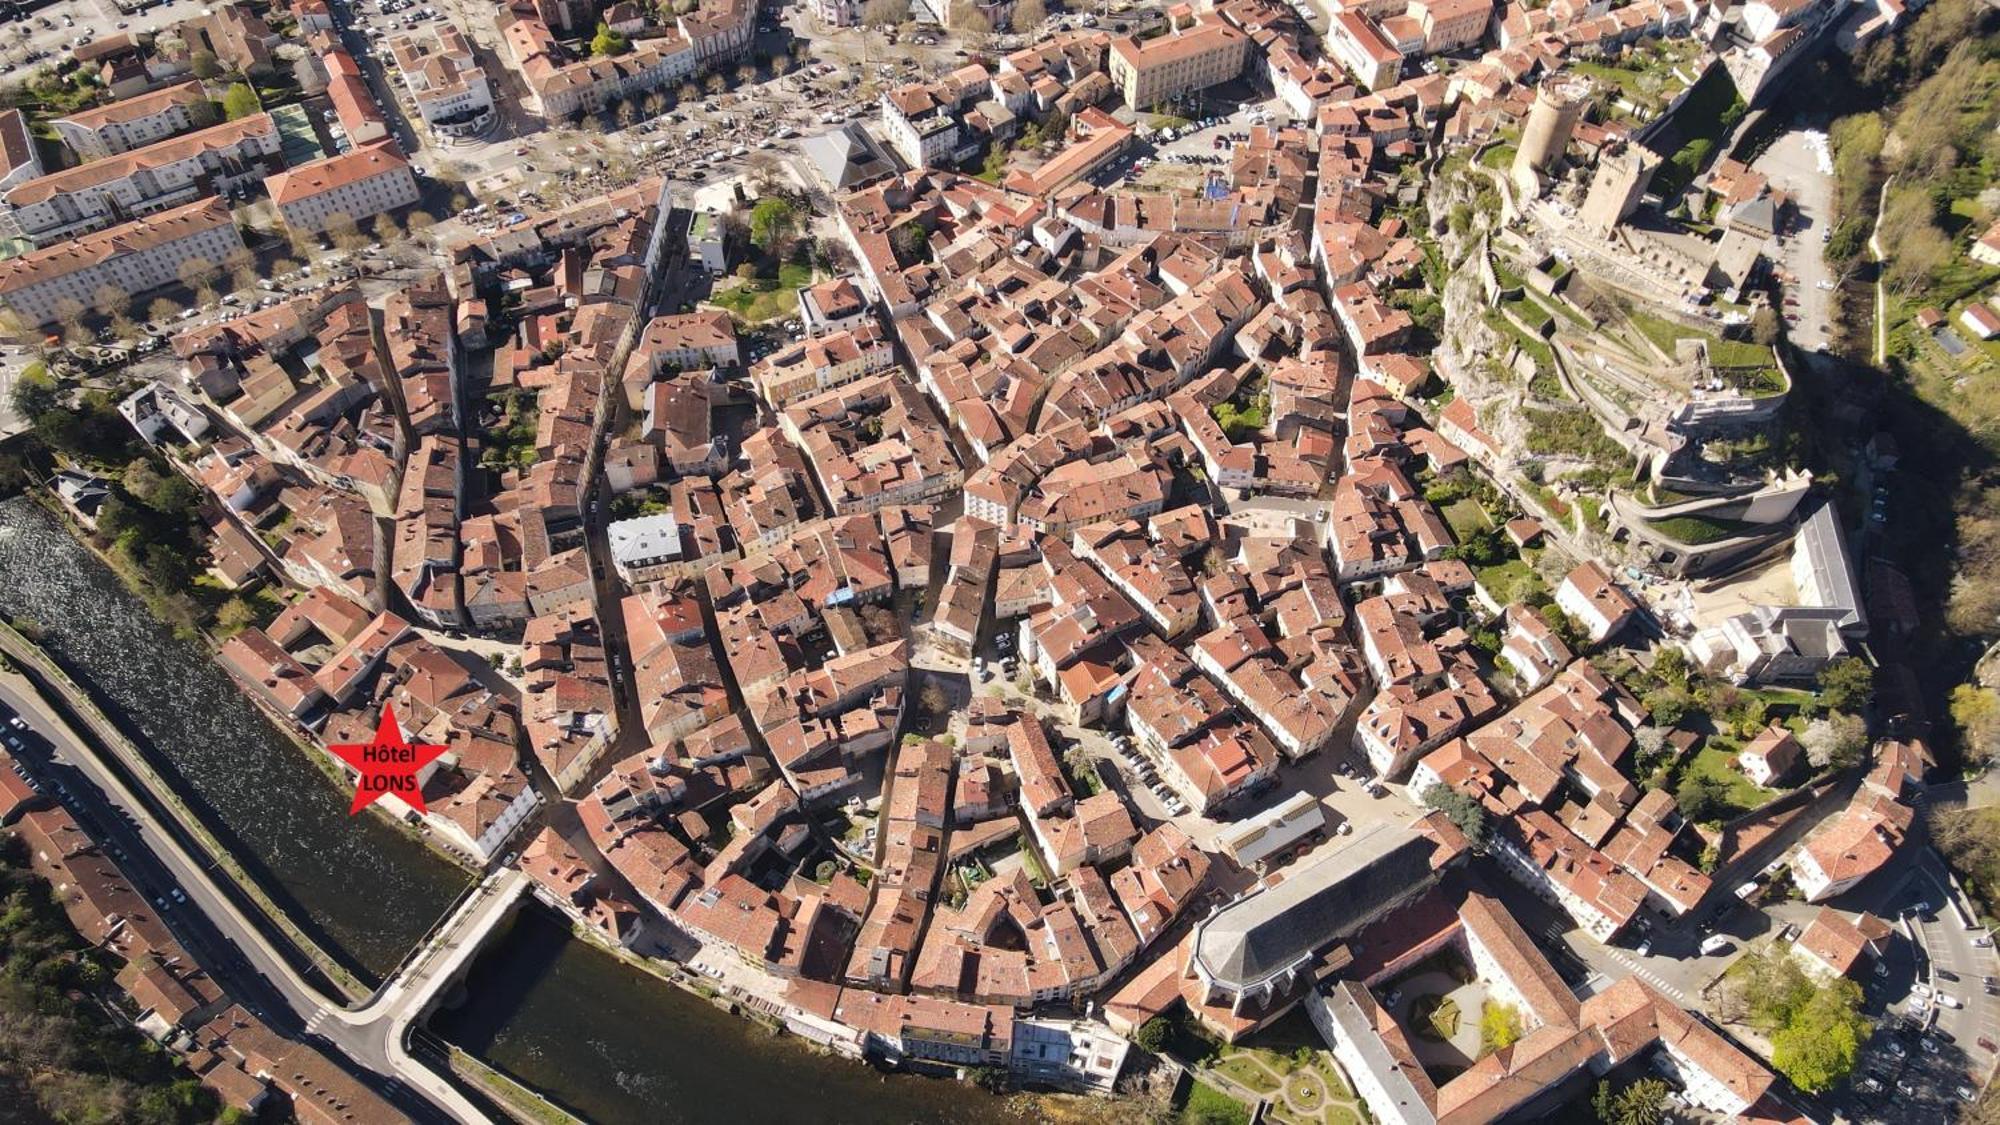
<point x="1986" y="1044"/>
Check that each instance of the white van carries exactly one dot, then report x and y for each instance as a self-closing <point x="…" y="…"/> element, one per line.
<point x="1714" y="944"/>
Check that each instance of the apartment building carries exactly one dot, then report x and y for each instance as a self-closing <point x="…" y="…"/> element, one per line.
<point x="20" y="160"/>
<point x="559" y="87"/>
<point x="1156" y="70"/>
<point x="1357" y="44"/>
<point x="358" y="184"/>
<point x="161" y="175"/>
<point x="65" y="281"/>
<point x="122" y="126"/>
<point x="1450" y="25"/>
<point x="445" y="81"/>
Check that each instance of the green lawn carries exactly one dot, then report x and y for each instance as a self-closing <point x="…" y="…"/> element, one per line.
<point x="1466" y="516"/>
<point x="1512" y="581"/>
<point x="765" y="298"/>
<point x="1698" y="530"/>
<point x="1499" y="158"/>
<point x="1249" y="1072"/>
<point x="1717" y="760"/>
<point x="1210" y="1106"/>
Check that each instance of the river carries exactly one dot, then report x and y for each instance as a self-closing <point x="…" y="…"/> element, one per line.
<point x="612" y="1043"/>
<point x="620" y="1047"/>
<point x="365" y="891"/>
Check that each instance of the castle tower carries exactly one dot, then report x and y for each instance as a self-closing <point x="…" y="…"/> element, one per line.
<point x="1620" y="181"/>
<point x="1559" y="105"/>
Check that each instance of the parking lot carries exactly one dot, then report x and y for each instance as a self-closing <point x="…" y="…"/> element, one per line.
<point x="1797" y="163"/>
<point x="47" y="35"/>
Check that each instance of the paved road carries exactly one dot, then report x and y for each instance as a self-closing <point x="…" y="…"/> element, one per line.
<point x="244" y="958"/>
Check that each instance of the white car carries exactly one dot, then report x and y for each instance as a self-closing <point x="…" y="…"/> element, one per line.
<point x="1948" y="1000"/>
<point x="1714" y="944"/>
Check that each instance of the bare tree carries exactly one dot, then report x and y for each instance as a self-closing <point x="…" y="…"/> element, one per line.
<point x="345" y="232"/>
<point x="968" y="20"/>
<point x="162" y="310"/>
<point x="781" y="63"/>
<point x="688" y="92"/>
<point x="110" y="298"/>
<point x="196" y="273"/>
<point x="1029" y="14"/>
<point x="715" y="83"/>
<point x="884" y="13"/>
<point x="746" y="74"/>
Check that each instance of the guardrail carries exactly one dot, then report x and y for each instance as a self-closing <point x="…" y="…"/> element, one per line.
<point x="49" y="675"/>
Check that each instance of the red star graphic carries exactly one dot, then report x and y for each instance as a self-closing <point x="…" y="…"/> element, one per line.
<point x="387" y="765"/>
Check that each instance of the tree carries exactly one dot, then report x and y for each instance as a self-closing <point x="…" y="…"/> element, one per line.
<point x="1462" y="809"/>
<point x="1081" y="766"/>
<point x="1764" y="326"/>
<point x="1821" y="1040"/>
<point x="746" y="74"/>
<point x="162" y="310"/>
<point x="781" y="63"/>
<point x="1703" y="799"/>
<point x="714" y="84"/>
<point x="1668" y="704"/>
<point x="385" y="230"/>
<point x="1499" y="1026"/>
<point x="967" y="19"/>
<point x="345" y="232"/>
<point x="1644" y="1102"/>
<point x="1029" y="14"/>
<point x="773" y="224"/>
<point x="240" y="100"/>
<point x="1846" y="684"/>
<point x="1154" y="1035"/>
<point x="608" y="42"/>
<point x="35" y="392"/>
<point x="204" y="64"/>
<point x="933" y="698"/>
<point x="1835" y="741"/>
<point x="1975" y="711"/>
<point x="884" y="13"/>
<point x="196" y="272"/>
<point x="910" y="242"/>
<point x="235" y="616"/>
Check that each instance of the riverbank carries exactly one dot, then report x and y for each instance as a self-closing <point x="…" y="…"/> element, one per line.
<point x="137" y="585"/>
<point x="615" y="1045"/>
<point x="271" y="808"/>
<point x="40" y="674"/>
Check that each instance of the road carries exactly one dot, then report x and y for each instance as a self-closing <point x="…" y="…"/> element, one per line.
<point x="243" y="957"/>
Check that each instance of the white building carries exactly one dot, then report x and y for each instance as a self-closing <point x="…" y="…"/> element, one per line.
<point x="161" y="175"/>
<point x="644" y="549"/>
<point x="155" y="410"/>
<point x="67" y="280"/>
<point x="1256" y="839"/>
<point x="122" y="126"/>
<point x="445" y="81"/>
<point x="358" y="184"/>
<point x="1596" y="603"/>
